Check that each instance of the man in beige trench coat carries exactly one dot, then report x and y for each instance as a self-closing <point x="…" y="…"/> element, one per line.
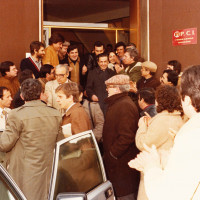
<point x="29" y="140"/>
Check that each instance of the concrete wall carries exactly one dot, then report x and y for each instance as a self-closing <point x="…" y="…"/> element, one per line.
<point x="19" y="25"/>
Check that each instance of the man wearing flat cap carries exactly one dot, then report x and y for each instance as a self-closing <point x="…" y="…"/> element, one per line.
<point x="121" y="123"/>
<point x="148" y="80"/>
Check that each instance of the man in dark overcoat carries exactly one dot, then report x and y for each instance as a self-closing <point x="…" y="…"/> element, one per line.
<point x="96" y="88"/>
<point x="119" y="131"/>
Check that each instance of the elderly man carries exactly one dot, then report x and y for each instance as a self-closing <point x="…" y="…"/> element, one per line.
<point x="119" y="131"/>
<point x="9" y="77"/>
<point x="133" y="68"/>
<point x="30" y="137"/>
<point x="148" y="79"/>
<point x="181" y="176"/>
<point x="61" y="74"/>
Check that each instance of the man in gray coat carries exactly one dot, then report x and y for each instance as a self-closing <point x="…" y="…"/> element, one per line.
<point x="29" y="140"/>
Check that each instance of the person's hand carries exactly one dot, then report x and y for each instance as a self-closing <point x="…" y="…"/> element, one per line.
<point x="149" y="158"/>
<point x="84" y="69"/>
<point x="133" y="87"/>
<point x="118" y="68"/>
<point x="94" y="98"/>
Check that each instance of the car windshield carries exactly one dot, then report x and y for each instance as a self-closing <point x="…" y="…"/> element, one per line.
<point x="78" y="166"/>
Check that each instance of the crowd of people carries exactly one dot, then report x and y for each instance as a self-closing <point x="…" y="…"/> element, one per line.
<point x="57" y="92"/>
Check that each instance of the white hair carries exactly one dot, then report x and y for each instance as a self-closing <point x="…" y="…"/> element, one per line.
<point x="63" y="65"/>
<point x="124" y="88"/>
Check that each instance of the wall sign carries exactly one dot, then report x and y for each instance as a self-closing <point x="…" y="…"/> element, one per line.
<point x="184" y="37"/>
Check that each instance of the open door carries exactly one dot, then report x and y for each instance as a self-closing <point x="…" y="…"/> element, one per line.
<point x="78" y="168"/>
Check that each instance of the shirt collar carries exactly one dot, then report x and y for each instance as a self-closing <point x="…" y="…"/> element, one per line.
<point x="39" y="60"/>
<point x="70" y="107"/>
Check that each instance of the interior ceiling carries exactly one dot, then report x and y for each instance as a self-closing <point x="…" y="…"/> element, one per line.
<point x="85" y="10"/>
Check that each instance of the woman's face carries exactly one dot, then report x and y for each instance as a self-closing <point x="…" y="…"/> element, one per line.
<point x="112" y="58"/>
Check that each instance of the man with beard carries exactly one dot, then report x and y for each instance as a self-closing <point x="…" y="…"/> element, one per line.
<point x="62" y="53"/>
<point x="34" y="62"/>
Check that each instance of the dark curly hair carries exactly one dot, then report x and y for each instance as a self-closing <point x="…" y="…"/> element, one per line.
<point x="31" y="89"/>
<point x="168" y="98"/>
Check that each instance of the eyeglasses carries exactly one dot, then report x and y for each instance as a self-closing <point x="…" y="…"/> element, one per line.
<point x="60" y="75"/>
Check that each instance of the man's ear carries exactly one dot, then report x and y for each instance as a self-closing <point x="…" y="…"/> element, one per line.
<point x="142" y="100"/>
<point x="47" y="75"/>
<point x="21" y="96"/>
<point x="132" y="59"/>
<point x="35" y="51"/>
<point x="81" y="96"/>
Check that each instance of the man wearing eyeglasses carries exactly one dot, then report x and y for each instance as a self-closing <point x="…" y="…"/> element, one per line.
<point x="61" y="74"/>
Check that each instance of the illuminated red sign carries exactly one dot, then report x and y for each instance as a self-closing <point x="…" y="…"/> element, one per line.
<point x="184" y="37"/>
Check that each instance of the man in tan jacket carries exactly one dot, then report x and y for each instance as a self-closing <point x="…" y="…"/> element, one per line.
<point x="29" y="139"/>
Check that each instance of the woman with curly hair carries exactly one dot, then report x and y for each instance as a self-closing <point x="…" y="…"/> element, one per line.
<point x="156" y="131"/>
